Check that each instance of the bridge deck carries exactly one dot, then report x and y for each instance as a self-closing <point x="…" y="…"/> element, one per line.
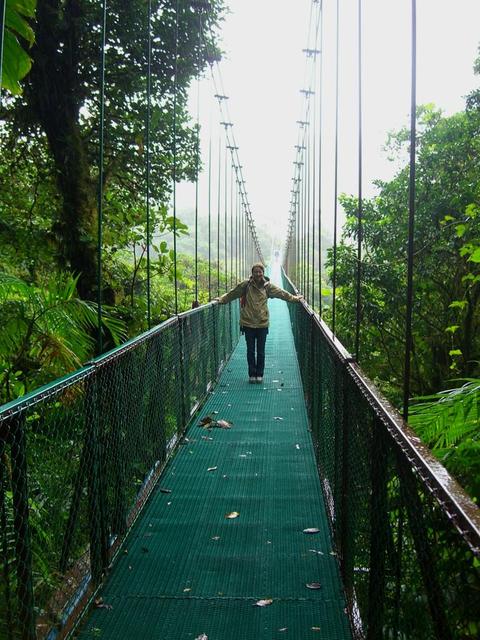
<point x="186" y="570"/>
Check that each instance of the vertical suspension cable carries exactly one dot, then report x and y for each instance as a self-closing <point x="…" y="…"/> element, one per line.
<point x="237" y="229"/>
<point x="307" y="209"/>
<point x="360" y="203"/>
<point x="304" y="219"/>
<point x="411" y="217"/>
<point x="3" y="9"/>
<point x="197" y="170"/>
<point x="231" y="225"/>
<point x="320" y="148"/>
<point x="314" y="146"/>
<point x="335" y="204"/>
<point x="175" y="91"/>
<point x="219" y="187"/>
<point x="100" y="181"/>
<point x="210" y="218"/>
<point x="147" y="154"/>
<point x="225" y="229"/>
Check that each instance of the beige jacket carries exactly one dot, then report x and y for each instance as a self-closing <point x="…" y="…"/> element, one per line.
<point x="254" y="313"/>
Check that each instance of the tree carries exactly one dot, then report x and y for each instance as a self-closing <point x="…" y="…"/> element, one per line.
<point x="447" y="196"/>
<point x="60" y="110"/>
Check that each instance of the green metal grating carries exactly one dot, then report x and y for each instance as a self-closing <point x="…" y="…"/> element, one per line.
<point x="186" y="570"/>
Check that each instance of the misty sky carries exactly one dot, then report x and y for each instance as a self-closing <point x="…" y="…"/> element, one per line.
<point x="264" y="70"/>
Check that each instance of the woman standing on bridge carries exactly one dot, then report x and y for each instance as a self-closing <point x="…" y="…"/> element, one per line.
<point x="254" y="317"/>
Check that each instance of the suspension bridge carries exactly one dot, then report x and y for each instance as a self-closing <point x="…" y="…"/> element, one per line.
<point x="155" y="493"/>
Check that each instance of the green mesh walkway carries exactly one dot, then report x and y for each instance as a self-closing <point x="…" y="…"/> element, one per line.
<point x="187" y="570"/>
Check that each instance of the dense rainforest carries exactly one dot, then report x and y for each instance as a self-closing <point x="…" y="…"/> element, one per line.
<point x="49" y="174"/>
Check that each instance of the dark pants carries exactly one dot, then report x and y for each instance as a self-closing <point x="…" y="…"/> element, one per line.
<point x="256" y="365"/>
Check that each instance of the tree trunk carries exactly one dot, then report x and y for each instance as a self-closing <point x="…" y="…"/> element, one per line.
<point x="54" y="96"/>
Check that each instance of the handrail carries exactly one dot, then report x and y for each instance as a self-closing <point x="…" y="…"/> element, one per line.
<point x="80" y="455"/>
<point x="9" y="409"/>
<point x="449" y="494"/>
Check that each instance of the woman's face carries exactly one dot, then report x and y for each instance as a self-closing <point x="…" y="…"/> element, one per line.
<point x="257" y="274"/>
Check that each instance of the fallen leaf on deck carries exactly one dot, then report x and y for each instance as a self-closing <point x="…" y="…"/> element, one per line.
<point x="263" y="603"/>
<point x="206" y="420"/>
<point x="297" y="446"/>
<point x="206" y="438"/>
<point x="313" y="585"/>
<point x="233" y="514"/>
<point x="316" y="629"/>
<point x="165" y="490"/>
<point x="104" y="606"/>
<point x="277" y="418"/>
<point x="186" y="590"/>
<point x="214" y="413"/>
<point x="215" y="538"/>
<point x="311" y="530"/>
<point x="203" y="636"/>
<point x="315" y="551"/>
<point x="283" y="629"/>
<point x="212" y="468"/>
<point x="224" y="424"/>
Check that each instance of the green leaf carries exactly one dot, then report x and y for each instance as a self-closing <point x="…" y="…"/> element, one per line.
<point x="458" y="304"/>
<point x="455" y="352"/>
<point x="460" y="229"/>
<point x="16" y="64"/>
<point x="475" y="257"/>
<point x="472" y="210"/>
<point x="452" y="328"/>
<point x="15" y="22"/>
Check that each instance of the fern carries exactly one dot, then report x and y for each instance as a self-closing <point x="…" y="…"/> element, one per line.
<point x="46" y="332"/>
<point x="449" y="423"/>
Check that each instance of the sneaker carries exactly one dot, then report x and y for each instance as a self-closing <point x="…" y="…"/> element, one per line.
<point x="252" y="379"/>
<point x="259" y="379"/>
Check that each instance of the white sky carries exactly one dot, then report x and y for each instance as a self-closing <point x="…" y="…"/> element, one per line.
<point x="264" y="70"/>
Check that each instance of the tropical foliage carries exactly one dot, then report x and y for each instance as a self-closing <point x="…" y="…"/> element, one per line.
<point x="51" y="142"/>
<point x="16" y="61"/>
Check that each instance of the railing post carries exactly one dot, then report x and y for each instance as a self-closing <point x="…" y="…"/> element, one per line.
<point x="336" y="407"/>
<point x="425" y="557"/>
<point x="98" y="550"/>
<point x="182" y="376"/>
<point x="159" y="429"/>
<point x="7" y="604"/>
<point x="346" y="535"/>
<point x="23" y="549"/>
<point x="117" y="405"/>
<point x="215" y="310"/>
<point x="378" y="533"/>
<point x="73" y="512"/>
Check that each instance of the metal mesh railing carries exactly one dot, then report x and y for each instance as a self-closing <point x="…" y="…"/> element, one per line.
<point x="407" y="536"/>
<point x="80" y="456"/>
